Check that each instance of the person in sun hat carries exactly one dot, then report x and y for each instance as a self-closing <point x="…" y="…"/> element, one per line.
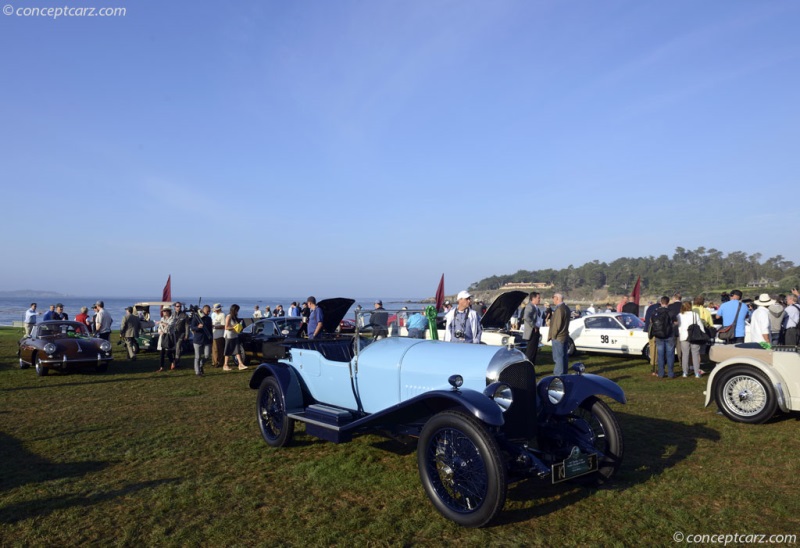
<point x="218" y="339"/>
<point x="461" y="323"/>
<point x="759" y="322"/>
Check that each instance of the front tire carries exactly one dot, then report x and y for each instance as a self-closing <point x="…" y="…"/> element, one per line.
<point x="745" y="394"/>
<point x="277" y="428"/>
<point x="461" y="469"/>
<point x="102" y="368"/>
<point x="41" y="370"/>
<point x="597" y="423"/>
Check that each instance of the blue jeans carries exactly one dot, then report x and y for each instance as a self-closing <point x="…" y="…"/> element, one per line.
<point x="560" y="357"/>
<point x="666" y="351"/>
<point x="202" y="353"/>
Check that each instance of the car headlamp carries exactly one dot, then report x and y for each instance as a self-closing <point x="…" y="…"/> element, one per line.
<point x="105" y="346"/>
<point x="555" y="390"/>
<point x="505" y="340"/>
<point x="50" y="348"/>
<point x="501" y="393"/>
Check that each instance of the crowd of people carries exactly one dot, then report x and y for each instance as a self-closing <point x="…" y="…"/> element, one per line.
<point x="675" y="326"/>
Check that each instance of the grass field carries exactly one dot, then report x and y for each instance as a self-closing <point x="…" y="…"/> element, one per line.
<point x="133" y="457"/>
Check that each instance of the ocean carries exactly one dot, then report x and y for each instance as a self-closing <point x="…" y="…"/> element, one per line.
<point x="13" y="308"/>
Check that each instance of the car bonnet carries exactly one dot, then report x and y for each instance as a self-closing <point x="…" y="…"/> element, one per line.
<point x="501" y="310"/>
<point x="333" y="310"/>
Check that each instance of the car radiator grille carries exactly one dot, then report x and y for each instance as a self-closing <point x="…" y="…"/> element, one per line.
<point x="520" y="419"/>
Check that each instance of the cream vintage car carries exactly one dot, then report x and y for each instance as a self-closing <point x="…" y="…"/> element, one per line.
<point x="750" y="384"/>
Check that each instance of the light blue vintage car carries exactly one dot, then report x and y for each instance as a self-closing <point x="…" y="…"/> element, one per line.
<point x="480" y="418"/>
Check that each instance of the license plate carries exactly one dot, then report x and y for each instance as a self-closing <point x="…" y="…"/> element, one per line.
<point x="576" y="464"/>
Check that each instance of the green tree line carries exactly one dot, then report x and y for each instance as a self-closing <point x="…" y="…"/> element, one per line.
<point x="691" y="272"/>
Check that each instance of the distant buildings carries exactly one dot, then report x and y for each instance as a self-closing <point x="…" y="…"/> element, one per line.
<point x="531" y="285"/>
<point x="763" y="282"/>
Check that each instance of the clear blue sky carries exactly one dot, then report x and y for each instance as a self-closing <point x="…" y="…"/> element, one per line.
<point x="365" y="148"/>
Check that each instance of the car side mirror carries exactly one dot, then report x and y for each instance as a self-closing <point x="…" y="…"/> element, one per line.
<point x="579" y="368"/>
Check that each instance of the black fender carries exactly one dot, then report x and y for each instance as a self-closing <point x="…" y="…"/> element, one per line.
<point x="424" y="406"/>
<point x="288" y="380"/>
<point x="576" y="389"/>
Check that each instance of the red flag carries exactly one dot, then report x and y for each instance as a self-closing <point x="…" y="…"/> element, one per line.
<point x="637" y="291"/>
<point x="166" y="295"/>
<point x="440" y="295"/>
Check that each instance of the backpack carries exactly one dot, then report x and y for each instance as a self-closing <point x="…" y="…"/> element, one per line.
<point x="661" y="324"/>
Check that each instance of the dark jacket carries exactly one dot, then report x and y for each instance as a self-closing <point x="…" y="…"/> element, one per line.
<point x="201" y="329"/>
<point x="181" y="326"/>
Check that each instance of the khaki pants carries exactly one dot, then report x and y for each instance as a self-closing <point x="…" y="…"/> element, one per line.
<point x="653" y="354"/>
<point x="217" y="351"/>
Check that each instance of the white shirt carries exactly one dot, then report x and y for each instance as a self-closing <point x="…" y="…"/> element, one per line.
<point x="759" y="324"/>
<point x="218" y="319"/>
<point x="257" y="314"/>
<point x="686" y="319"/>
<point x="792" y="316"/>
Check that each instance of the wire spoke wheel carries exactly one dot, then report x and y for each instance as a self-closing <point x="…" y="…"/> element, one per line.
<point x="461" y="469"/>
<point x="596" y="424"/>
<point x="745" y="394"/>
<point x="276" y="427"/>
<point x="457" y="470"/>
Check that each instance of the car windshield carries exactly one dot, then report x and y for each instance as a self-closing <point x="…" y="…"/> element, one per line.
<point x="288" y="326"/>
<point x="63" y="329"/>
<point x="630" y="321"/>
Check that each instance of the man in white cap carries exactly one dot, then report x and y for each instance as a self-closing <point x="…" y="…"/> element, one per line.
<point x="461" y="323"/>
<point x="218" y="338"/>
<point x="759" y="321"/>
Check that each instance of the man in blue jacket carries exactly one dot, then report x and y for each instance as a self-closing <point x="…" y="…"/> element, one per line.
<point x="728" y="312"/>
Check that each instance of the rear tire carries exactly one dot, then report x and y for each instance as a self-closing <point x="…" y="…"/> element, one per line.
<point x="277" y="428"/>
<point x="23" y="365"/>
<point x="571" y="350"/>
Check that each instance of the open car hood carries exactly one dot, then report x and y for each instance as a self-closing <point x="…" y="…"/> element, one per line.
<point x="501" y="310"/>
<point x="333" y="310"/>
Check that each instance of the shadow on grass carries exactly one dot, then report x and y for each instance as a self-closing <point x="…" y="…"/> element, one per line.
<point x="651" y="447"/>
<point x="21" y="467"/>
<point x="44" y="507"/>
<point x="97" y="380"/>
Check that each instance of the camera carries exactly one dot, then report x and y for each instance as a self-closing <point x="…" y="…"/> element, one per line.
<point x="458" y="334"/>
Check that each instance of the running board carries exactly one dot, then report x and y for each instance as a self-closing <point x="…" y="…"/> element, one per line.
<point x="325" y="422"/>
